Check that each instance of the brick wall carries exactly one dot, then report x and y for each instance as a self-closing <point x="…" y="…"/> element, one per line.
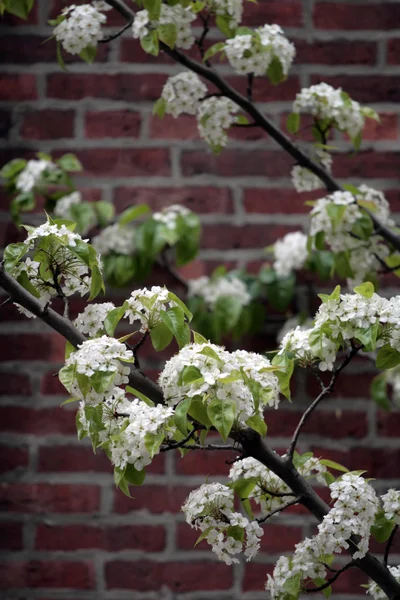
<point x="67" y="532"/>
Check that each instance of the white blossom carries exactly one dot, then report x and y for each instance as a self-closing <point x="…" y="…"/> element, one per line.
<point x="91" y="320"/>
<point x="48" y="229"/>
<point x="115" y="238"/>
<point x="182" y="93"/>
<point x="63" y="207"/>
<point x="214" y="116"/>
<point x="290" y="253"/>
<point x="212" y="289"/>
<point x="304" y="180"/>
<point x="176" y="15"/>
<point x="215" y="365"/>
<point x="32" y="174"/>
<point x="391" y="505"/>
<point x="169" y="215"/>
<point x="101" y="5"/>
<point x="248" y="53"/>
<point x="233" y="9"/>
<point x="81" y="28"/>
<point x="375" y="591"/>
<point x="139" y="27"/>
<point x="292" y="323"/>
<point x="144" y="305"/>
<point x="324" y="102"/>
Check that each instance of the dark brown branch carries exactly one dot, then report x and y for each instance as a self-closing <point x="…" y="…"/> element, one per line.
<point x="279" y="509"/>
<point x="200" y="447"/>
<point x="117" y="34"/>
<point x="389" y="545"/>
<point x="338" y="573"/>
<point x="324" y="392"/>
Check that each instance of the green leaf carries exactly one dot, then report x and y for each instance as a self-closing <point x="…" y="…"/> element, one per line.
<point x="141" y="396"/>
<point x="113" y="318"/>
<point x="102" y="380"/>
<point x="104" y="212"/>
<point x="202" y="536"/>
<point x="173" y="298"/>
<point x="222" y="415"/>
<point x="336" y="213"/>
<point x="153" y="7"/>
<point x="378" y="390"/>
<point x="227" y="311"/>
<point x="382" y="527"/>
<point x="12" y="168"/>
<point x="293" y="122"/>
<point x="132" y="213"/>
<point x="318" y="582"/>
<point x="258" y="424"/>
<point x="292" y="586"/>
<point x="242" y="120"/>
<point x="213" y="50"/>
<point x="22" y="203"/>
<point x="69" y="349"/>
<point x="180" y="415"/>
<point x="19" y="8"/>
<point x="167" y="33"/>
<point x="97" y="283"/>
<point x="280" y="292"/>
<point x="207" y="351"/>
<point x="69" y="162"/>
<point x="335" y="295"/>
<point x="153" y="441"/>
<point x="333" y="465"/>
<point x="370" y="113"/>
<point x="161" y="336"/>
<point x="159" y="108"/>
<point x="198" y="412"/>
<point x="342" y="264"/>
<point x="133" y="476"/>
<point x="198" y="338"/>
<point x="67" y="376"/>
<point x="368" y="336"/>
<point x="285" y="373"/>
<point x="243" y="488"/>
<point x="275" y="71"/>
<point x="352" y="188"/>
<point x="363" y="227"/>
<point x="149" y="43"/>
<point x="60" y="58"/>
<point x="365" y="289"/>
<point x="236" y="532"/>
<point x="223" y="24"/>
<point x="190" y="374"/>
<point x="69" y="401"/>
<point x="356" y="141"/>
<point x="387" y="357"/>
<point x="174" y="320"/>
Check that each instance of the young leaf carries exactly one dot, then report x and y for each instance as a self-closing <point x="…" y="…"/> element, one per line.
<point x="131" y="390"/>
<point x="378" y="391"/>
<point x="174" y="319"/>
<point x="180" y="415"/>
<point x="222" y="415"/>
<point x="387" y="357"/>
<point x="293" y="122"/>
<point x="198" y="338"/>
<point x="132" y="213"/>
<point x="134" y="476"/>
<point x="159" y="107"/>
<point x="198" y="412"/>
<point x="365" y="289"/>
<point x="333" y="465"/>
<point x="153" y="441"/>
<point x="167" y="33"/>
<point x="382" y="527"/>
<point x="113" y="318"/>
<point x="258" y="424"/>
<point x="213" y="50"/>
<point x="161" y="336"/>
<point x="69" y="162"/>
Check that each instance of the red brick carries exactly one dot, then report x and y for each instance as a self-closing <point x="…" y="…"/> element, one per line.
<point x="200" y="200"/>
<point x="31" y="346"/>
<point x="153" y="499"/>
<point x="168" y="128"/>
<point x="377" y="462"/>
<point x="348" y="385"/>
<point x="17" y="87"/>
<point x="203" y="463"/>
<point x="11" y="536"/>
<point x="146" y="576"/>
<point x="46" y="574"/>
<point x="41" y="498"/>
<point x="335" y="15"/>
<point x="124" y="162"/>
<point x="29" y="49"/>
<point x="146" y="538"/>
<point x="224" y="237"/>
<point x="13" y="458"/>
<point x="237" y="163"/>
<point x="365" y="88"/>
<point x="131" y="51"/>
<point x="21" y="419"/>
<point x="123" y="86"/>
<point x="112" y="123"/>
<point x="387" y="129"/>
<point x="350" y="581"/>
<point x="367" y="164"/>
<point x="48" y="124"/>
<point x="51" y="385"/>
<point x="275" y="200"/>
<point x="388" y="424"/>
<point x="287" y="14"/>
<point x="255" y="576"/>
<point x="15" y="384"/>
<point x="393" y="51"/>
<point x="5" y="123"/>
<point x="335" y="52"/>
<point x="324" y="424"/>
<point x="263" y="91"/>
<point x="393" y="197"/>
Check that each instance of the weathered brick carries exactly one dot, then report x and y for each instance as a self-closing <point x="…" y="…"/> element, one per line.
<point x="123" y="86"/>
<point x="17" y="87"/>
<point x="5" y="123"/>
<point x="237" y="163"/>
<point x="32" y="347"/>
<point x="46" y="574"/>
<point x="379" y="462"/>
<point x="203" y="463"/>
<point x="112" y="123"/>
<point x="335" y="52"/>
<point x="20" y="419"/>
<point x="348" y="385"/>
<point x="152" y="498"/>
<point x="368" y="164"/>
<point x="11" y="536"/>
<point x="334" y="425"/>
<point x="365" y="88"/>
<point x="342" y="15"/>
<point x="200" y="199"/>
<point x="287" y="14"/>
<point x="255" y="576"/>
<point x="41" y="498"/>
<point x="275" y="200"/>
<point x="248" y="236"/>
<point x="146" y="576"/>
<point x="13" y="458"/>
<point x="146" y="538"/>
<point x="48" y="124"/>
<point x="388" y="424"/>
<point x="393" y="51"/>
<point x="15" y="384"/>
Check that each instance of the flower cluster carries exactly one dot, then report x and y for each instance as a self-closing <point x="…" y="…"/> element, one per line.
<point x="337" y="214"/>
<point x="115" y="238"/>
<point x="353" y="513"/>
<point x="219" y="374"/>
<point x="145" y="305"/>
<point x="214" y="116"/>
<point x="304" y="180"/>
<point x="254" y="53"/>
<point x="61" y="232"/>
<point x="101" y="5"/>
<point x="177" y="15"/>
<point x="95" y="369"/>
<point x="376" y="592"/>
<point x="209" y="509"/>
<point x="326" y="103"/>
<point x="292" y="323"/>
<point x="170" y="214"/>
<point x="212" y="289"/>
<point x="63" y="207"/>
<point x="233" y="9"/>
<point x="32" y="174"/>
<point x="290" y="253"/>
<point x="80" y="28"/>
<point x="391" y="505"/>
<point x="182" y="93"/>
<point x="91" y="321"/>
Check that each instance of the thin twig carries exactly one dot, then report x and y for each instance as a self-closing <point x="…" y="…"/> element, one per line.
<point x="338" y="573"/>
<point x="250" y="80"/>
<point x="6" y="301"/>
<point x="201" y="40"/>
<point x="116" y="35"/>
<point x="389" y="545"/>
<point x="175" y="445"/>
<point x="199" y="447"/>
<point x="279" y="509"/>
<point x="324" y="392"/>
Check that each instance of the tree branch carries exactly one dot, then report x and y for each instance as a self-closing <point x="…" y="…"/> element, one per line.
<point x="389" y="545"/>
<point x="279" y="509"/>
<point x="338" y="573"/>
<point x="324" y="392"/>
